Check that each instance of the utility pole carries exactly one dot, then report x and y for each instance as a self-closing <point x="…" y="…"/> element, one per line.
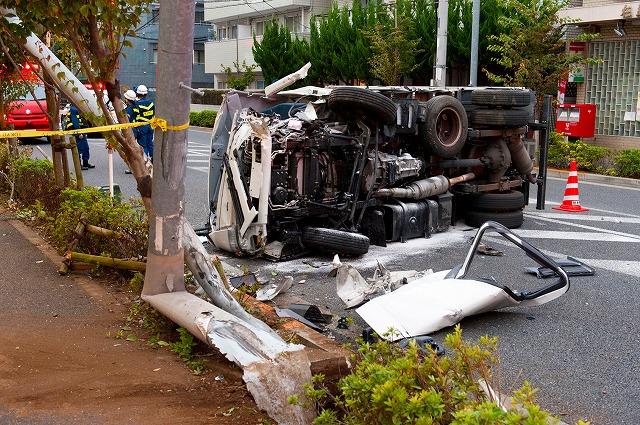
<point x="165" y="258"/>
<point x="475" y="35"/>
<point x="440" y="70"/>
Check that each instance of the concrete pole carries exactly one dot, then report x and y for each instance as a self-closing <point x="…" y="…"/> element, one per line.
<point x="440" y="70"/>
<point x="165" y="258"/>
<point x="475" y="36"/>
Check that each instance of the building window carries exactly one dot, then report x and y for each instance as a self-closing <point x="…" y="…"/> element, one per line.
<point x="222" y="33"/>
<point x="222" y="85"/>
<point x="198" y="55"/>
<point x="260" y="84"/>
<point x="154" y="53"/>
<point x="234" y="32"/>
<point x="293" y="23"/>
<point x="259" y="28"/>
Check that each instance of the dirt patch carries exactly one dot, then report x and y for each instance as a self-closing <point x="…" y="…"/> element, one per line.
<point x="60" y="364"/>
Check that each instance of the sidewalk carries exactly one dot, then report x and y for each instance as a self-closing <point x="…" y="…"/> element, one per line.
<point x="594" y="178"/>
<point x="58" y="366"/>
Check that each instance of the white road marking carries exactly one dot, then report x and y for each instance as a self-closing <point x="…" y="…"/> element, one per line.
<point x="628" y="267"/>
<point x="202" y="161"/>
<point x="582" y="217"/>
<point x="582" y="226"/>
<point x="202" y="169"/>
<point x="532" y="203"/>
<point x="574" y="236"/>
<point x="596" y="184"/>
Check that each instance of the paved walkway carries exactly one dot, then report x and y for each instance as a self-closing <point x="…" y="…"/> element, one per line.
<point x="58" y="366"/>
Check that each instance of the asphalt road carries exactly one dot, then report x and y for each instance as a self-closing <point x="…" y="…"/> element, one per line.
<point x="581" y="350"/>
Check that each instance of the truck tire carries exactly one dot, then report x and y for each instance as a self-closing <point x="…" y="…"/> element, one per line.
<point x="335" y="241"/>
<point x="445" y="128"/>
<point x="354" y="100"/>
<point x="510" y="219"/>
<point x="497" y="201"/>
<point x="509" y="118"/>
<point x="501" y="97"/>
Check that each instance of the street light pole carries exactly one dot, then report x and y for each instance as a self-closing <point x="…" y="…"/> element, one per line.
<point x="440" y="70"/>
<point x="165" y="257"/>
<point x="475" y="35"/>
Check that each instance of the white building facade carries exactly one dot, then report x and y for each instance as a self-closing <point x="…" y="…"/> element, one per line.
<point x="236" y="23"/>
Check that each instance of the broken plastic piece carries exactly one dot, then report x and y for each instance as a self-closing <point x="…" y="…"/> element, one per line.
<point x="311" y="312"/>
<point x="571" y="266"/>
<point x="423" y="342"/>
<point x="286" y="312"/>
<point x="248" y="279"/>
<point x="485" y="249"/>
<point x="444" y="298"/>
<point x="269" y="292"/>
<point x="285" y="82"/>
<point x="343" y="323"/>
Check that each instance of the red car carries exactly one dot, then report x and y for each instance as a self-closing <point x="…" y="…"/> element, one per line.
<point x="27" y="114"/>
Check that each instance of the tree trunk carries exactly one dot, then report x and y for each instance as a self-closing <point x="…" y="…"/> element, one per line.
<point x="54" y="112"/>
<point x="165" y="258"/>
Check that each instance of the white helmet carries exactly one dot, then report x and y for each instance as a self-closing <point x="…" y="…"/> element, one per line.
<point x="142" y="89"/>
<point x="130" y="95"/>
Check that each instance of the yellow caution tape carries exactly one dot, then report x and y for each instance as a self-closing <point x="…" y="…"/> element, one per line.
<point x="155" y="123"/>
<point x="162" y="125"/>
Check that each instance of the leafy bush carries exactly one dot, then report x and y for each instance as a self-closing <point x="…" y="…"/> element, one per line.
<point x="203" y="118"/>
<point x="628" y="163"/>
<point x="393" y="386"/>
<point x="33" y="180"/>
<point x="211" y="97"/>
<point x="588" y="157"/>
<point x="97" y="209"/>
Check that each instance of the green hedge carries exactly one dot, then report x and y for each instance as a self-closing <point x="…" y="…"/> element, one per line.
<point x="203" y="118"/>
<point x="588" y="157"/>
<point x="211" y="97"/>
<point x="628" y="163"/>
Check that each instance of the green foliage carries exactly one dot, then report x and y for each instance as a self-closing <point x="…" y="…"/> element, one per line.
<point x="97" y="209"/>
<point x="240" y="76"/>
<point x="588" y="157"/>
<point x="393" y="386"/>
<point x="184" y="349"/>
<point x="530" y="46"/>
<point x="279" y="53"/>
<point x="136" y="283"/>
<point x="394" y="55"/>
<point x="210" y="97"/>
<point x="203" y="118"/>
<point x="33" y="179"/>
<point x="628" y="163"/>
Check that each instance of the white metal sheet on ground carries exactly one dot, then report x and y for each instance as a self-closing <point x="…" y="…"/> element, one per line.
<point x="429" y="304"/>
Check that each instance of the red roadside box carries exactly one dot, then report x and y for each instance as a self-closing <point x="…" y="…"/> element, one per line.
<point x="577" y="120"/>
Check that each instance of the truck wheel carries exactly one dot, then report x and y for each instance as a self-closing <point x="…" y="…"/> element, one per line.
<point x="335" y="241"/>
<point x="510" y="118"/>
<point x="501" y="97"/>
<point x="445" y="127"/>
<point x="360" y="101"/>
<point x="510" y="219"/>
<point x="497" y="201"/>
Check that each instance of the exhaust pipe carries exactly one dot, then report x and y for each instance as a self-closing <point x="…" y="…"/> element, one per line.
<point x="424" y="188"/>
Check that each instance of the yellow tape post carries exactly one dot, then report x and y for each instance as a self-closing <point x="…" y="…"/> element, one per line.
<point x="155" y="123"/>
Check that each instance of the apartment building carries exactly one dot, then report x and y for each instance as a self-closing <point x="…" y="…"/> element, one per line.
<point x="236" y="23"/>
<point x="614" y="84"/>
<point x="138" y="63"/>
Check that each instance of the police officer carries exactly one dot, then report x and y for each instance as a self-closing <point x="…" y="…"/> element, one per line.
<point x="131" y="109"/>
<point x="76" y="122"/>
<point x="146" y="111"/>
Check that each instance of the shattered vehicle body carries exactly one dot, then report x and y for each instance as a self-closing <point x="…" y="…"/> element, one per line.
<point x="338" y="169"/>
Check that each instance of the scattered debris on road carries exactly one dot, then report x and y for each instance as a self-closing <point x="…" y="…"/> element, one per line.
<point x="270" y="291"/>
<point x="442" y="299"/>
<point x="571" y="266"/>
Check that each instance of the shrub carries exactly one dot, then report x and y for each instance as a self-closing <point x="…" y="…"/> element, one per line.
<point x="210" y="97"/>
<point x="588" y="157"/>
<point x="628" y="163"/>
<point x="33" y="179"/>
<point x="97" y="209"/>
<point x="393" y="386"/>
<point x="203" y="118"/>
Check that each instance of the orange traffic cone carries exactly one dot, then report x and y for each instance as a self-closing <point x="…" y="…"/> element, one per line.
<point x="571" y="201"/>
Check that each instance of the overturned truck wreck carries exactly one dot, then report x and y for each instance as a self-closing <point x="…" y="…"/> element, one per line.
<point x="339" y="169"/>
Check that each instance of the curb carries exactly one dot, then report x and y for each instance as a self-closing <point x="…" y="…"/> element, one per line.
<point x="195" y="127"/>
<point x="596" y="178"/>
